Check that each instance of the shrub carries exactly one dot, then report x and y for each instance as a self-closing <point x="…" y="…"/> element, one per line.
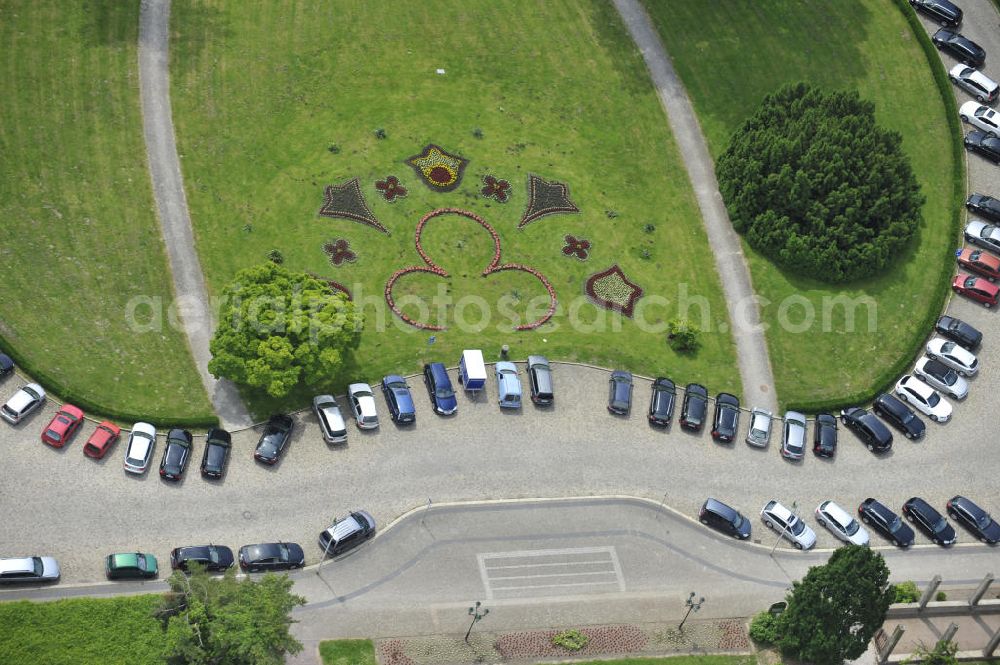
<point x="477" y="133"/>
<point x="764" y="628"/>
<point x="572" y="640"/>
<point x="380" y="133"/>
<point x="943" y="653"/>
<point x="814" y="184"/>
<point x="276" y="257"/>
<point x="906" y="592"/>
<point x="940" y="596"/>
<point x="682" y="336"/>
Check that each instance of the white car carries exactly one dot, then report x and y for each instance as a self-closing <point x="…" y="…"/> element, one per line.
<point x="953" y="355"/>
<point x="840" y="523"/>
<point x="974" y="82"/>
<point x="941" y="377"/>
<point x="363" y="405"/>
<point x="981" y="117"/>
<point x="926" y="400"/>
<point x="139" y="450"/>
<point x="23" y="402"/>
<point x="331" y="421"/>
<point x="781" y="519"/>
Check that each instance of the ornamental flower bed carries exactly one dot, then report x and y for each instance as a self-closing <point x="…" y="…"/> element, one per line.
<point x="339" y="251"/>
<point x="545" y="198"/>
<point x="612" y="290"/>
<point x="346" y="201"/>
<point x="495" y="189"/>
<point x="602" y="640"/>
<point x="576" y="247"/>
<point x="440" y="170"/>
<point x="390" y="189"/>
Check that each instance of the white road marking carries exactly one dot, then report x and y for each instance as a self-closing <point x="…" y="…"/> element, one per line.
<point x="493" y="566"/>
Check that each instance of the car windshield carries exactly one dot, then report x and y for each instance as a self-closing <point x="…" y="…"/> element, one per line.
<point x="797" y="526"/>
<point x="947" y="347"/>
<point x="970" y="282"/>
<point x="896" y="525"/>
<point x="949" y="378"/>
<point x="141" y="559"/>
<point x="52" y="434"/>
<point x="397" y="385"/>
<point x="283" y="551"/>
<point x="853" y="527"/>
<point x="213" y="555"/>
<point x="444" y="393"/>
<point x="362" y="393"/>
<point x="757" y="433"/>
<point x="933" y="399"/>
<point x="940" y="524"/>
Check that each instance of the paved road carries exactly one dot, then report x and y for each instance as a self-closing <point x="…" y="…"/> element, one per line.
<point x="744" y="314"/>
<point x="191" y="296"/>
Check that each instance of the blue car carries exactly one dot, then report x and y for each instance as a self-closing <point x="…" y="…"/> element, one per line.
<point x="400" y="401"/>
<point x="439" y="388"/>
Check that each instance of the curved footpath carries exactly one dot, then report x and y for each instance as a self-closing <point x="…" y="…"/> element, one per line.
<point x="191" y="296"/>
<point x="744" y="315"/>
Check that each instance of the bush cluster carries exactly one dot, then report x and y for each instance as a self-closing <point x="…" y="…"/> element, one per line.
<point x="573" y="640"/>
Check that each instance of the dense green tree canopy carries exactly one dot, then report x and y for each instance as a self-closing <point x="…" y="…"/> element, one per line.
<point x="835" y="610"/>
<point x="814" y="184"/>
<point x="279" y="328"/>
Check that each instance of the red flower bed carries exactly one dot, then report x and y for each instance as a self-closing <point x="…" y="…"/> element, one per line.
<point x="603" y="640"/>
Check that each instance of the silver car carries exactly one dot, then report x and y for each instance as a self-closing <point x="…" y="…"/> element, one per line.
<point x="840" y="523"/>
<point x="363" y="405"/>
<point x="139" y="450"/>
<point x="953" y="355"/>
<point x="974" y="82"/>
<point x="793" y="440"/>
<point x="23" y="402"/>
<point x="331" y="420"/>
<point x="788" y="524"/>
<point x="760" y="428"/>
<point x="981" y="117"/>
<point x="940" y="376"/>
<point x="29" y="569"/>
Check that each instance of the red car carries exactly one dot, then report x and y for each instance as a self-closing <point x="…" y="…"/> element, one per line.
<point x="63" y="426"/>
<point x="101" y="440"/>
<point x="980" y="262"/>
<point x="976" y="288"/>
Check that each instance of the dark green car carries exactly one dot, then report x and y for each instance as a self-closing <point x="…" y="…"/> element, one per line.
<point x="130" y="566"/>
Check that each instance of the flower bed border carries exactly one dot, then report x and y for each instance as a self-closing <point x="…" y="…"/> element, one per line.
<point x="626" y="309"/>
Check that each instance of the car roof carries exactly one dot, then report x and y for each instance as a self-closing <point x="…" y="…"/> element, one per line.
<point x="970" y="506"/>
<point x="779" y="511"/>
<point x="880" y="508"/>
<point x="720" y="508"/>
<point x="25" y="564"/>
<point x="438" y="371"/>
<point x="538" y="360"/>
<point x="916" y="385"/>
<point x="727" y="399"/>
<point x="836" y="513"/>
<point x="345" y="527"/>
<point x="125" y="560"/>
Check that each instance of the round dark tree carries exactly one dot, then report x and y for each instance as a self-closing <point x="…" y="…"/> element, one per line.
<point x="814" y="184"/>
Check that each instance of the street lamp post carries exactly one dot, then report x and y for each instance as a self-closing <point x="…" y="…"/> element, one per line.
<point x="326" y="552"/>
<point x="476" y="617"/>
<point x="691" y="605"/>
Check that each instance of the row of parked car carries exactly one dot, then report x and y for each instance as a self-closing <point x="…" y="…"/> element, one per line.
<point x="845" y="527"/>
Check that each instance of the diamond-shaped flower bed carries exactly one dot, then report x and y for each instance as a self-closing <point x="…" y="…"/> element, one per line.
<point x="612" y="290"/>
<point x="346" y="201"/>
<point x="545" y="198"/>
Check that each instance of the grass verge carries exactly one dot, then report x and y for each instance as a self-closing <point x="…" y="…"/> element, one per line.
<point x="347" y="652"/>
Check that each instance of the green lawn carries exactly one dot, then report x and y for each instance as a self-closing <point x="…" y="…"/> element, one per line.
<point x="730" y="54"/>
<point x="347" y="652"/>
<point x="80" y="234"/>
<point x="262" y="90"/>
<point x="83" y="631"/>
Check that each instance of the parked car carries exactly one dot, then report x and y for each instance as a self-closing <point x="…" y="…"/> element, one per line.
<point x="900" y="416"/>
<point x="974" y="82"/>
<point x="959" y="47"/>
<point x="347" y="533"/>
<point x="20" y="570"/>
<point x="981" y="117"/>
<point x="791" y="527"/>
<point x="925" y="399"/>
<point x="942" y="11"/>
<point x="439" y="388"/>
<point x="840" y="523"/>
<point x="941" y="377"/>
<point x="975" y="519"/>
<point x="63" y="426"/>
<point x="876" y="437"/>
<point x="215" y="558"/>
<point x="825" y="435"/>
<point x="726" y="422"/>
<point x="331" y="420"/>
<point x="508" y="385"/>
<point x="271" y="556"/>
<point x="620" y="393"/>
<point x="929" y="521"/>
<point x="139" y="451"/>
<point x="979" y="262"/>
<point x="130" y="566"/>
<point x="982" y="234"/>
<point x="176" y="454"/>
<point x="218" y="445"/>
<point x="983" y="144"/>
<point x="959" y="331"/>
<point x="275" y="437"/>
<point x="102" y="439"/>
<point x="661" y="401"/>
<point x="22" y="403"/>
<point x="540" y="381"/>
<point x="760" y="428"/>
<point x="6" y="365"/>
<point x="979" y="289"/>
<point x="362" y="402"/>
<point x="954" y="356"/>
<point x="793" y="438"/>
<point x="984" y="206"/>
<point x="888" y="523"/>
<point x="723" y="518"/>
<point x="398" y="397"/>
<point x="694" y="408"/>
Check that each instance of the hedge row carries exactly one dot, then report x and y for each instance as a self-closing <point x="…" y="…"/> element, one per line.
<point x="923" y="330"/>
<point x="55" y="387"/>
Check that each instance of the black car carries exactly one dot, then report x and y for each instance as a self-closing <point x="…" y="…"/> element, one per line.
<point x="959" y="331"/>
<point x="695" y="407"/>
<point x="985" y="206"/>
<point x="825" y="435"/>
<point x="346" y="533"/>
<point x="6" y="365"/>
<point x="218" y="443"/>
<point x="929" y="521"/>
<point x="975" y="519"/>
<point x="886" y="522"/>
<point x="942" y="11"/>
<point x="275" y="437"/>
<point x="271" y="556"/>
<point x="727" y="417"/>
<point x="620" y="393"/>
<point x="400" y="400"/>
<point x="962" y="49"/>
<point x="986" y="145"/>
<point x="540" y="381"/>
<point x="176" y="454"/>
<point x="661" y="402"/>
<point x="876" y="436"/>
<point x="215" y="558"/>
<point x="900" y="416"/>
<point x="728" y="520"/>
<point x="439" y="388"/>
